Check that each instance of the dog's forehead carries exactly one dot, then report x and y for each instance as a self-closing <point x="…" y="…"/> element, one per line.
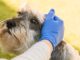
<point x="26" y="15"/>
<point x="30" y="16"/>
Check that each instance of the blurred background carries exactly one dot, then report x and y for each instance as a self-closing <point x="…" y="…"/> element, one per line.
<point x="67" y="10"/>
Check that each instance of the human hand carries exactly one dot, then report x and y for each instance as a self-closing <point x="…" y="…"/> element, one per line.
<point x="52" y="29"/>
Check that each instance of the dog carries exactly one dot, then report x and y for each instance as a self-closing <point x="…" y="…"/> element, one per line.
<point x="22" y="31"/>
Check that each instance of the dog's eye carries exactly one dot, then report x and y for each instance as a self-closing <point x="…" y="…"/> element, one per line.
<point x="34" y="21"/>
<point x="11" y="24"/>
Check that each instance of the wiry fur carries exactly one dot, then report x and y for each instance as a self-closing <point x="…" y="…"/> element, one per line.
<point x="19" y="33"/>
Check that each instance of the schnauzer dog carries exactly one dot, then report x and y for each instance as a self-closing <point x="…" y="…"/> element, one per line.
<point x="21" y="32"/>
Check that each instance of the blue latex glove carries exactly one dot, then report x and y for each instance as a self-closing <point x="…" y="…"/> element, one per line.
<point x="52" y="29"/>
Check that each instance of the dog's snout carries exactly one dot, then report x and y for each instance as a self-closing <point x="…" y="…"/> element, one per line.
<point x="11" y="24"/>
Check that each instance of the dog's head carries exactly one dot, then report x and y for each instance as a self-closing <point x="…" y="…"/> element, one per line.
<point x="20" y="32"/>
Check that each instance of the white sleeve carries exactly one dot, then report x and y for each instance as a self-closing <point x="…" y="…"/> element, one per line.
<point x="39" y="51"/>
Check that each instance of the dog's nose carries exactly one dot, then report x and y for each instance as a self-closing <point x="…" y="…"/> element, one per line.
<point x="11" y="24"/>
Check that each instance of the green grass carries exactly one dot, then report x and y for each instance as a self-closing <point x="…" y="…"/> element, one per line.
<point x="5" y="11"/>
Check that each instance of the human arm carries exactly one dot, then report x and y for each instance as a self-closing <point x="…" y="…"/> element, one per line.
<point x="40" y="51"/>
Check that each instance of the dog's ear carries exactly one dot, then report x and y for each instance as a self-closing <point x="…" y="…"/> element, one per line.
<point x="58" y="53"/>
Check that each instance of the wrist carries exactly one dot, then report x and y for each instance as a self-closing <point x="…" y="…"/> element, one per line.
<point x="51" y="38"/>
<point x="48" y="43"/>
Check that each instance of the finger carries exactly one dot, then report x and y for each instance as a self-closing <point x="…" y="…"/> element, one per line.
<point x="57" y="19"/>
<point x="50" y="15"/>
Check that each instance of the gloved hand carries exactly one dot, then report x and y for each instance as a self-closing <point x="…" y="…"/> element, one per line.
<point x="52" y="29"/>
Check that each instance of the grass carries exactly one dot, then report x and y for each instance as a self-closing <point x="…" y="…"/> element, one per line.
<point x="5" y="11"/>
